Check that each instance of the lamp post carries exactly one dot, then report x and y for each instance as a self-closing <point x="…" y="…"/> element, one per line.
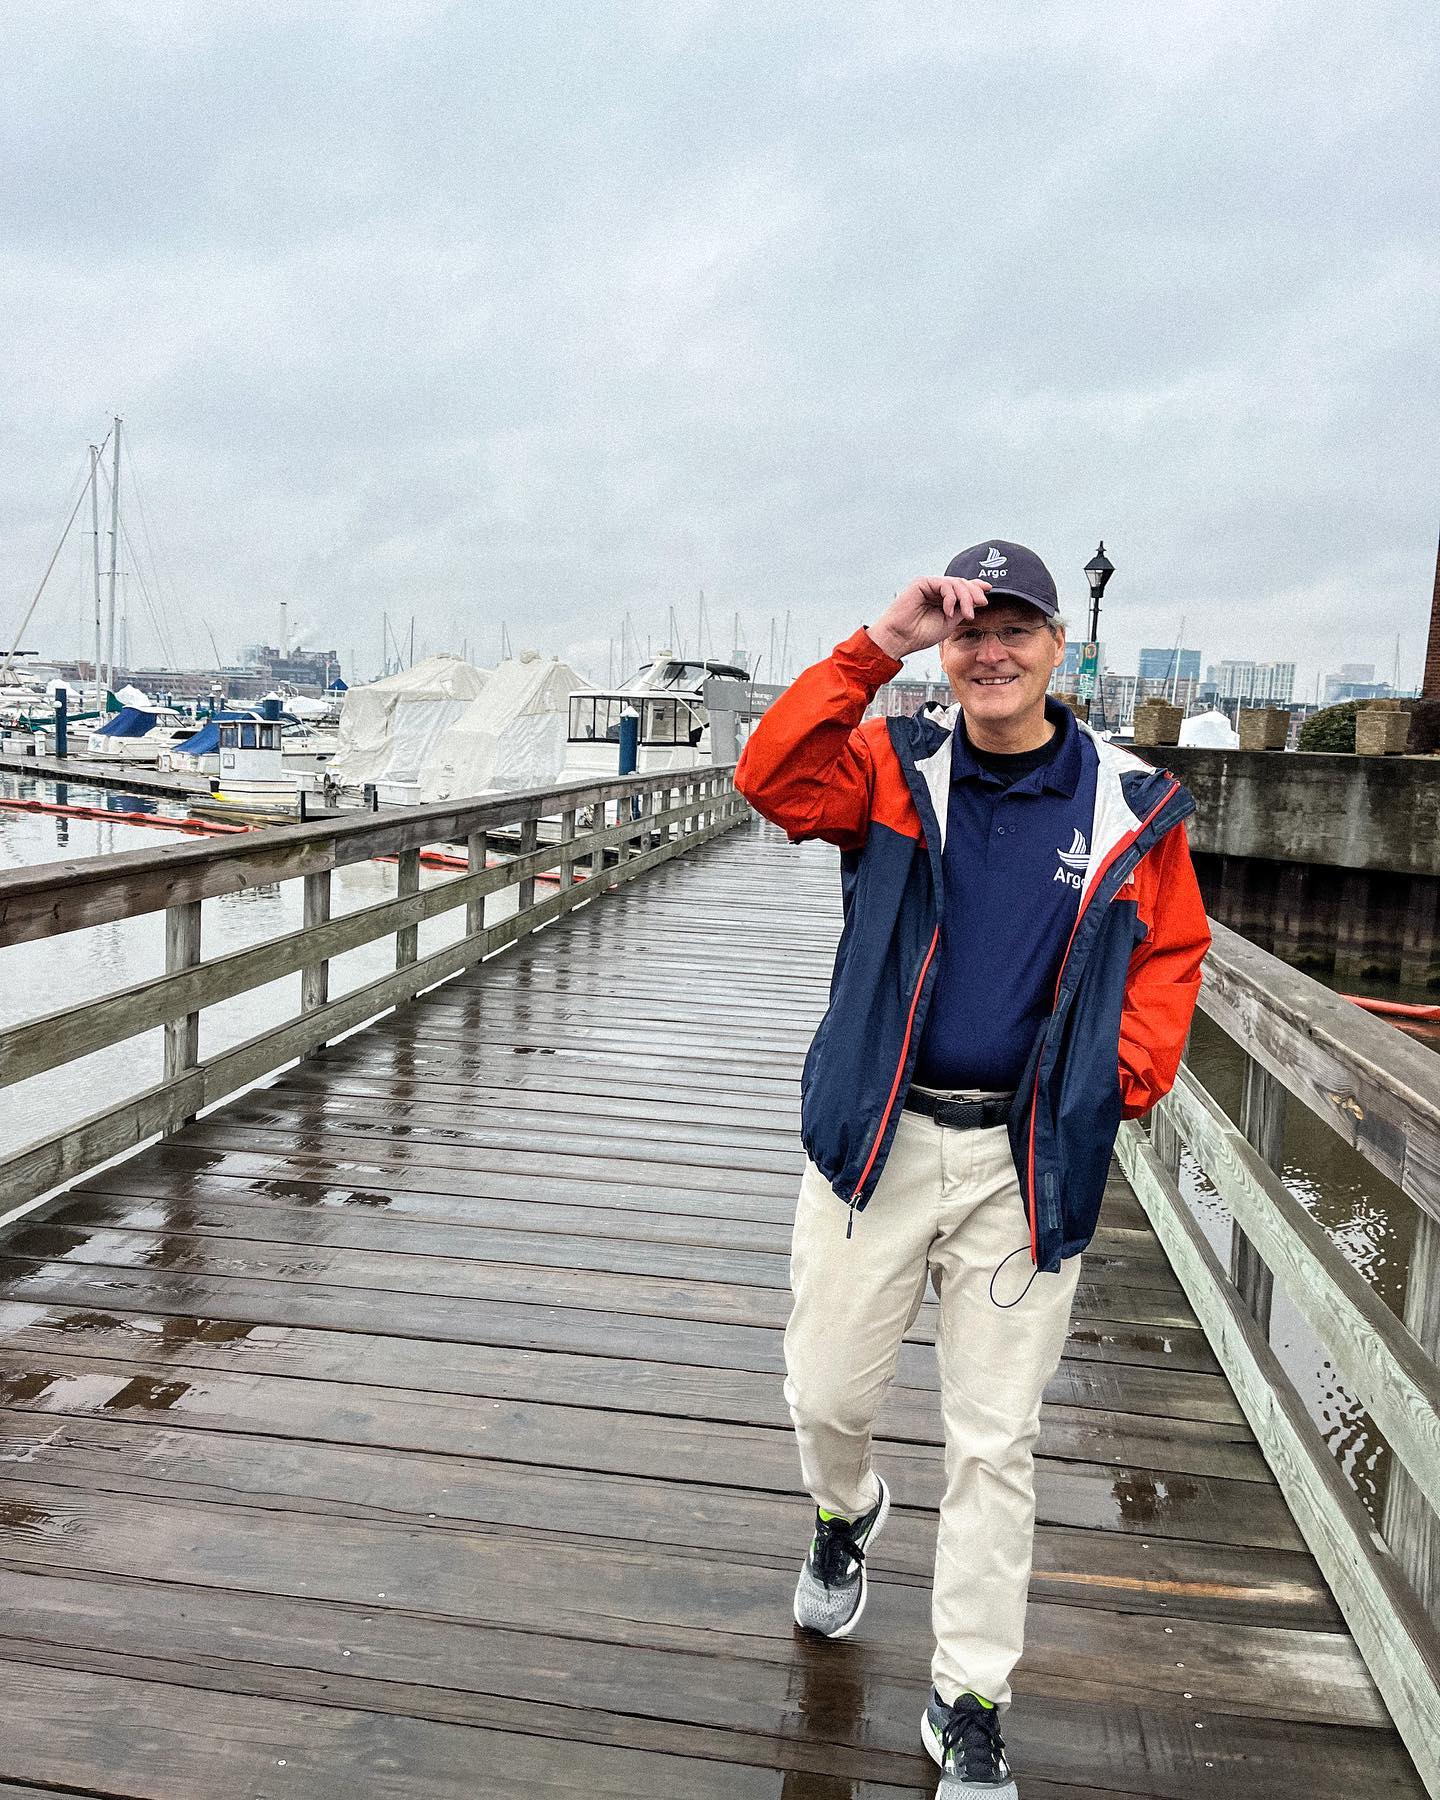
<point x="1098" y="571"/>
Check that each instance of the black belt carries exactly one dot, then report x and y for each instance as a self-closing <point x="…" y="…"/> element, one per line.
<point x="960" y="1115"/>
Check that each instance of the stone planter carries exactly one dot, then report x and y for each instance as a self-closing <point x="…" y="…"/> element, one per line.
<point x="1263" y="727"/>
<point x="1157" y="723"/>
<point x="1381" y="731"/>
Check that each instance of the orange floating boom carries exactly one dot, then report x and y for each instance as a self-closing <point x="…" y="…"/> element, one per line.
<point x="1395" y="1009"/>
<point x="155" y="820"/>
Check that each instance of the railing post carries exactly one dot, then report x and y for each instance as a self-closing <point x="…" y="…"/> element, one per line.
<point x="1164" y="1139"/>
<point x="567" y="852"/>
<point x="529" y="840"/>
<point x="315" y="977"/>
<point x="407" y="939"/>
<point x="182" y="951"/>
<point x="1411" y="1528"/>
<point x="477" y="854"/>
<point x="1262" y="1120"/>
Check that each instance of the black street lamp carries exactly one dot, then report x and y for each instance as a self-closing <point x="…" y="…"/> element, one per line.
<point x="1098" y="571"/>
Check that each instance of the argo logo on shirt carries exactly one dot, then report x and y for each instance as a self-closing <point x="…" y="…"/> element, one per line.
<point x="1073" y="862"/>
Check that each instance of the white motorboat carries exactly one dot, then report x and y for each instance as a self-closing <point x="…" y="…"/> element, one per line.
<point x="140" y="736"/>
<point x="306" y="747"/>
<point x="199" y="754"/>
<point x="690" y="714"/>
<point x="252" y="777"/>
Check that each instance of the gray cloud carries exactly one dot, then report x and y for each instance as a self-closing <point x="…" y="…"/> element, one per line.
<point x="542" y="314"/>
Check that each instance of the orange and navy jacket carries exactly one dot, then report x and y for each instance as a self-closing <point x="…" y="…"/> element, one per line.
<point x="1127" y="983"/>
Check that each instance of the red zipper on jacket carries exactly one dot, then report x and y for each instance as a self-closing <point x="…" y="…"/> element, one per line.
<point x="1110" y="860"/>
<point x="899" y="1071"/>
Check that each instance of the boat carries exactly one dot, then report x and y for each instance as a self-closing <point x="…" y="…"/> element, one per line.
<point x="689" y="713"/>
<point x="306" y="747"/>
<point x="252" y="779"/>
<point x="389" y="728"/>
<point x="139" y="735"/>
<point x="199" y="754"/>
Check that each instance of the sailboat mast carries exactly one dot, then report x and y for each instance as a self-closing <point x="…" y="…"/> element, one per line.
<point x="114" y="559"/>
<point x="95" y="534"/>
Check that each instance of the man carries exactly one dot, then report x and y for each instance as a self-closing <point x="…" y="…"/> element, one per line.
<point x="1017" y="971"/>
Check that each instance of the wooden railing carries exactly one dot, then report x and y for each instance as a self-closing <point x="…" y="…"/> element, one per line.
<point x="636" y="823"/>
<point x="1379" y="1091"/>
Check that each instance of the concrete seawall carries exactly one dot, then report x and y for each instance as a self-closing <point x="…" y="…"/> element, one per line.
<point x="1329" y="861"/>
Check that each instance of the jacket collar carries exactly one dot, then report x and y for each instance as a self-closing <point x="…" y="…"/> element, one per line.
<point x="1127" y="789"/>
<point x="1059" y="776"/>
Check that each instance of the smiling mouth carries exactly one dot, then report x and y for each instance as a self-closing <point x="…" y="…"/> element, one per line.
<point x="993" y="680"/>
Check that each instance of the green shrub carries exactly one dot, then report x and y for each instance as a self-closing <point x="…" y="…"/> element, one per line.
<point x="1332" y="729"/>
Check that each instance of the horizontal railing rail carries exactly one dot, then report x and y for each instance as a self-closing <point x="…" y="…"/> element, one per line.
<point x="1380" y="1092"/>
<point x="655" y="817"/>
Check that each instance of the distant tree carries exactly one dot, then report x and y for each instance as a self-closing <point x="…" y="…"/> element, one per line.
<point x="1332" y="729"/>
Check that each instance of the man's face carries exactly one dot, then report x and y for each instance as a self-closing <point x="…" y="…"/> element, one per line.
<point x="1000" y="681"/>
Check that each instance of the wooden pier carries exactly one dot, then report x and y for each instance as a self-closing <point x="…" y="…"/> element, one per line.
<point x="90" y="771"/>
<point x="412" y="1426"/>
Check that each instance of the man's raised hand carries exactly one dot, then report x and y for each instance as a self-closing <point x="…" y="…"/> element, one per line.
<point x="927" y="611"/>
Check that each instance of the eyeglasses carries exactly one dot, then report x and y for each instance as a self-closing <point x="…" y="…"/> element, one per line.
<point x="1009" y="637"/>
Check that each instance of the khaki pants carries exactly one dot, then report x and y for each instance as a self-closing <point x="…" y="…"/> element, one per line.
<point x="948" y="1208"/>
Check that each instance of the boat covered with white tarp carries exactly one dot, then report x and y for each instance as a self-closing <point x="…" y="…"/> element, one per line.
<point x="512" y="737"/>
<point x="389" y="729"/>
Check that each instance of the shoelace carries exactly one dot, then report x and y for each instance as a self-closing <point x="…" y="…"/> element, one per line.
<point x="974" y="1730"/>
<point x="835" y="1550"/>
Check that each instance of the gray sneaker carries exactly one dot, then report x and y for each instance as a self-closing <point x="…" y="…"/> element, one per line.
<point x="830" y="1595"/>
<point x="965" y="1740"/>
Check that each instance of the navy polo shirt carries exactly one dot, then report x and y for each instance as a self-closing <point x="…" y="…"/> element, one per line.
<point x="1016" y="850"/>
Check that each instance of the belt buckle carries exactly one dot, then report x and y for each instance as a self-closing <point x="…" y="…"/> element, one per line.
<point x="960" y="1115"/>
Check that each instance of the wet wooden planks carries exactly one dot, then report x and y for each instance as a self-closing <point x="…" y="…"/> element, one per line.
<point x="413" y="1426"/>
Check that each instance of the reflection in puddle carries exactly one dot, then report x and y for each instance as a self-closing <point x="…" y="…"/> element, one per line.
<point x="1147" y="1499"/>
<point x="82" y="1321"/>
<point x="19" y="1385"/>
<point x="204" y="1331"/>
<point x="148" y="1394"/>
<point x="305" y="1193"/>
<point x="827" y="1696"/>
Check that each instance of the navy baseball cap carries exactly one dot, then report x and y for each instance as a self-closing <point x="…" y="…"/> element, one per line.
<point x="1011" y="570"/>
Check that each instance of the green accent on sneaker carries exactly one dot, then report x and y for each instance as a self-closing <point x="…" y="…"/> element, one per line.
<point x="828" y="1516"/>
<point x="989" y="1705"/>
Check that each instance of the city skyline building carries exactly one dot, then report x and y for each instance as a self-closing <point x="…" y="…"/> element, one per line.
<point x="1169" y="664"/>
<point x="1252" y="683"/>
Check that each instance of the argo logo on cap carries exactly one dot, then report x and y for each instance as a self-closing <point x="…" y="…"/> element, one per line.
<point x="1011" y="570"/>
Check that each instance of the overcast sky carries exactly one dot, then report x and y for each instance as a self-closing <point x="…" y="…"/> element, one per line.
<point x="547" y="313"/>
